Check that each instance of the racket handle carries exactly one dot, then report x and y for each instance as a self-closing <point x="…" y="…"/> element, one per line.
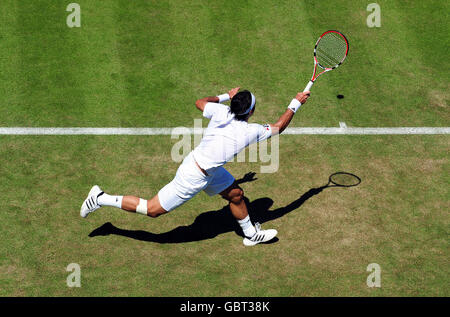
<point x="308" y="87"/>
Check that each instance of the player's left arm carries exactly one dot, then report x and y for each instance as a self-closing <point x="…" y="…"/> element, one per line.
<point x="201" y="103"/>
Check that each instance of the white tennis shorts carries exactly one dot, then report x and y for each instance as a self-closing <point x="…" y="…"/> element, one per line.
<point x="189" y="181"/>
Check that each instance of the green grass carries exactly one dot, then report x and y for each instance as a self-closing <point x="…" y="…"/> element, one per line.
<point x="397" y="218"/>
<point x="143" y="64"/>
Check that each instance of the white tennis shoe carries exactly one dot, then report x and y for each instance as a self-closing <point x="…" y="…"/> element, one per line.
<point x="260" y="236"/>
<point x="90" y="204"/>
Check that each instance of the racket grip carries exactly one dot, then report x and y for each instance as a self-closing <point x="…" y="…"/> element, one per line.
<point x="308" y="87"/>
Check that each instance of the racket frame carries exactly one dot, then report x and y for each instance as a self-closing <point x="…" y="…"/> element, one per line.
<point x="316" y="63"/>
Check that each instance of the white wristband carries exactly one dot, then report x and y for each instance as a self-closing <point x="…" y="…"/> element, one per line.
<point x="223" y="97"/>
<point x="294" y="105"/>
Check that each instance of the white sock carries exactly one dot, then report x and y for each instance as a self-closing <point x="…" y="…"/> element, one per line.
<point x="109" y="200"/>
<point x="247" y="227"/>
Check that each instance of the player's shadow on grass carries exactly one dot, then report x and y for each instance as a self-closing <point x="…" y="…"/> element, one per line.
<point x="212" y="223"/>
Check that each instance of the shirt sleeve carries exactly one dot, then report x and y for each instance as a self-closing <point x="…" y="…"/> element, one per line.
<point x="263" y="132"/>
<point x="215" y="111"/>
<point x="210" y="109"/>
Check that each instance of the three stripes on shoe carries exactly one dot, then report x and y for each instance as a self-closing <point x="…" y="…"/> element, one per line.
<point x="258" y="237"/>
<point x="91" y="203"/>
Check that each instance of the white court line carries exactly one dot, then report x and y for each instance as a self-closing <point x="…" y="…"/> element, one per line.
<point x="182" y="130"/>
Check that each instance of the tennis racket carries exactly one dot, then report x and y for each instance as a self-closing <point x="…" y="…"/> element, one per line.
<point x="330" y="51"/>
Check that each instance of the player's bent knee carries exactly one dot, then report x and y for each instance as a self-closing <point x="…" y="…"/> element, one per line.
<point x="154" y="208"/>
<point x="238" y="196"/>
<point x="154" y="214"/>
<point x="234" y="194"/>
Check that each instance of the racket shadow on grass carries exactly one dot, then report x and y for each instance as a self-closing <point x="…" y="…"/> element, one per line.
<point x="213" y="223"/>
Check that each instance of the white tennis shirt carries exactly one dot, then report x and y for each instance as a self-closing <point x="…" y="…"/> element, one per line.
<point x="225" y="137"/>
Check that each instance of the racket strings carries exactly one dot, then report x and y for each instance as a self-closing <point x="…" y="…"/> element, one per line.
<point x="331" y="50"/>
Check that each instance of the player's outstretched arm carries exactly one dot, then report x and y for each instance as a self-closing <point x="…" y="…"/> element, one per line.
<point x="286" y="117"/>
<point x="200" y="103"/>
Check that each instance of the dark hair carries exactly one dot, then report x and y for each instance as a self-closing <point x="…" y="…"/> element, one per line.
<point x="240" y="104"/>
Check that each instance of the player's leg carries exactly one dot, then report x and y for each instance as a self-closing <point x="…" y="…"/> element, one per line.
<point x="235" y="196"/>
<point x="223" y="183"/>
<point x="187" y="182"/>
<point x="97" y="198"/>
<point x="151" y="208"/>
<point x="253" y="234"/>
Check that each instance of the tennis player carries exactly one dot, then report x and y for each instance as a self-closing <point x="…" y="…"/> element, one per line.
<point x="227" y="134"/>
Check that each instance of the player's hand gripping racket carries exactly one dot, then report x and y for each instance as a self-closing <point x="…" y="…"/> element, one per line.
<point x="330" y="51"/>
